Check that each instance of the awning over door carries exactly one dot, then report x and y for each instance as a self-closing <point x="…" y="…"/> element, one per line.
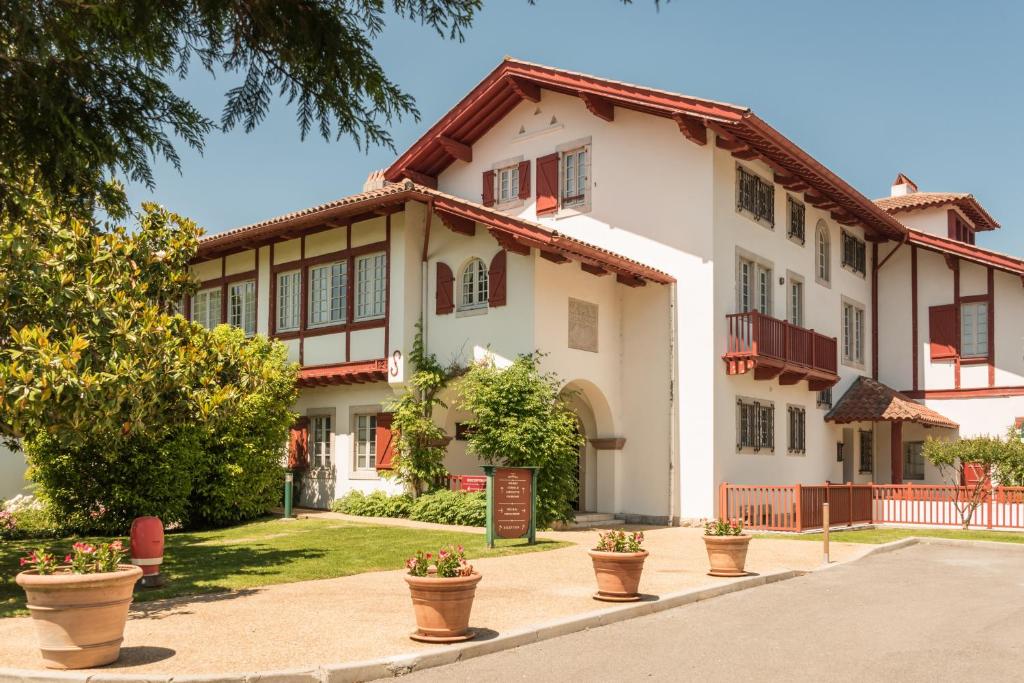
<point x="869" y="400"/>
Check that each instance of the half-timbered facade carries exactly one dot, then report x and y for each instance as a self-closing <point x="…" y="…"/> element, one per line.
<point x="707" y="290"/>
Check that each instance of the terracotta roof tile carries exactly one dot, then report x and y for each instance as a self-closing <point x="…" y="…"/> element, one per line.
<point x="868" y="400"/>
<point x="922" y="200"/>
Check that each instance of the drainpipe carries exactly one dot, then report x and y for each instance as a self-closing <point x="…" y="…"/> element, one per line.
<point x="673" y="432"/>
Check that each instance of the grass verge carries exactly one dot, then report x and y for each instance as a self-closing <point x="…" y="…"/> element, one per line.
<point x="267" y="552"/>
<point x="887" y="534"/>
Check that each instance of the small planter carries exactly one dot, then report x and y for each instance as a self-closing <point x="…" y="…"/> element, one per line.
<point x="727" y="554"/>
<point x="79" y="618"/>
<point x="442" y="607"/>
<point x="618" y="575"/>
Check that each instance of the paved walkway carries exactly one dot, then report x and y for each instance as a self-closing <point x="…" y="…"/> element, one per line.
<point x="928" y="612"/>
<point x="370" y="615"/>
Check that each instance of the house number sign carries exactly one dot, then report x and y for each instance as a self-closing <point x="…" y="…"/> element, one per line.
<point x="511" y="503"/>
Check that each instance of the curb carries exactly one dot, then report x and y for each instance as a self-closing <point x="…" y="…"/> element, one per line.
<point x="400" y="665"/>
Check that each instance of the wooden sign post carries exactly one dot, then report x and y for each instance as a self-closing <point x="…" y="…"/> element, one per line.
<point x="511" y="503"/>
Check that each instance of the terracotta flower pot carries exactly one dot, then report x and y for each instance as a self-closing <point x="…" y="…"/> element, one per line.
<point x="79" y="618"/>
<point x="727" y="554"/>
<point x="618" y="575"/>
<point x="442" y="607"/>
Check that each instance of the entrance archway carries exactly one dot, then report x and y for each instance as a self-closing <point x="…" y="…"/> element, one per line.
<point x="594" y="419"/>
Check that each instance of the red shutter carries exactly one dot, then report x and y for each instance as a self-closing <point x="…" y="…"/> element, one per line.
<point x="524" y="179"/>
<point x="488" y="193"/>
<point x="496" y="280"/>
<point x="298" y="440"/>
<point x="385" y="441"/>
<point x="942" y="332"/>
<point x="547" y="184"/>
<point x="445" y="289"/>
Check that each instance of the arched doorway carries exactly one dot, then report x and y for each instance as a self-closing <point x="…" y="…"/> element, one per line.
<point x="593" y="419"/>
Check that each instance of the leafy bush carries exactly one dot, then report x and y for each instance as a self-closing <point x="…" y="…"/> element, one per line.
<point x="519" y="419"/>
<point x="377" y="504"/>
<point x="26" y="517"/>
<point x="451" y="507"/>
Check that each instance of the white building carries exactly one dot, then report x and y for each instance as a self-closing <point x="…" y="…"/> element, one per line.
<point x="708" y="287"/>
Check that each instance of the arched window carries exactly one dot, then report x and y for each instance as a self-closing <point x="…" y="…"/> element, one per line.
<point x="822" y="253"/>
<point x="474" y="285"/>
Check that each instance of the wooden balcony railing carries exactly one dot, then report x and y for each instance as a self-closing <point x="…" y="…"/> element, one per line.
<point x="776" y="348"/>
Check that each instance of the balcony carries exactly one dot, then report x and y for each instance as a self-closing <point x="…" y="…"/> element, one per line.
<point x="776" y="348"/>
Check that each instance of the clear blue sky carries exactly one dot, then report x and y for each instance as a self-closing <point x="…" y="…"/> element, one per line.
<point x="932" y="89"/>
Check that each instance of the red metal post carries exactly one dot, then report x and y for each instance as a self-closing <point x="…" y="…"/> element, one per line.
<point x="799" y="505"/>
<point x="849" y="488"/>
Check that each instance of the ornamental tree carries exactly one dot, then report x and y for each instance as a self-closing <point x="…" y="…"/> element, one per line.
<point x="994" y="457"/>
<point x="520" y="419"/>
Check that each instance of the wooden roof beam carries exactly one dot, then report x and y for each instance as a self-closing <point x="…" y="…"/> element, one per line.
<point x="509" y="242"/>
<point x="599" y="106"/>
<point x="692" y="129"/>
<point x="599" y="271"/>
<point x="459" y="150"/>
<point x="525" y="89"/>
<point x="630" y="280"/>
<point x="553" y="256"/>
<point x="463" y="226"/>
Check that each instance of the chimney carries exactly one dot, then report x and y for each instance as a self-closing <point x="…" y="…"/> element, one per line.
<point x="374" y="181"/>
<point x="902" y="186"/>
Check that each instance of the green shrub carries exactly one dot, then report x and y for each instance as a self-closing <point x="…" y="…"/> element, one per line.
<point x="451" y="507"/>
<point x="376" y="504"/>
<point x="26" y="517"/>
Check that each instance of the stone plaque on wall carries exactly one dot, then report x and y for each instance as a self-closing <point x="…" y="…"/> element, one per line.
<point x="582" y="325"/>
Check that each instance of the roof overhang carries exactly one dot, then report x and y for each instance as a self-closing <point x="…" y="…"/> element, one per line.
<point x="514" y="234"/>
<point x="359" y="372"/>
<point x="737" y="129"/>
<point x="968" y="252"/>
<point x="967" y="203"/>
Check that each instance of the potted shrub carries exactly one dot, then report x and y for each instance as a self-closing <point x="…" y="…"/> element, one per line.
<point x="727" y="547"/>
<point x="443" y="587"/>
<point x="79" y="607"/>
<point x="618" y="562"/>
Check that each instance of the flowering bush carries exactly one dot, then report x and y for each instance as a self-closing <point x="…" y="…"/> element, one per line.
<point x="449" y="562"/>
<point x="84" y="558"/>
<point x="722" y="527"/>
<point x="620" y="542"/>
<point x="8" y="525"/>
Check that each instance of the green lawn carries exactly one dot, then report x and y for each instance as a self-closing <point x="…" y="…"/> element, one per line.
<point x="268" y="552"/>
<point x="887" y="534"/>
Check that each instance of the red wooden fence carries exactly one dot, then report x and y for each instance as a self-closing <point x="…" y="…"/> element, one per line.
<point x="798" y="507"/>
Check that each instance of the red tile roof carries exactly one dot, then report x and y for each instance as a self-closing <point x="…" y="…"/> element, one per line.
<point x="524" y="232"/>
<point x="359" y="372"/>
<point x="967" y="203"/>
<point x="514" y="80"/>
<point x="868" y="400"/>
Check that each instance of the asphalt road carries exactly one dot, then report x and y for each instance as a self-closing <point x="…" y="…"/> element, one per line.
<point x="924" y="613"/>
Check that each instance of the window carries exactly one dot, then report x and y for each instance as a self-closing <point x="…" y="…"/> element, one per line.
<point x="371" y="283"/>
<point x="288" y="298"/>
<point x="839" y="451"/>
<point x="913" y="460"/>
<point x="795" y="229"/>
<point x="974" y="329"/>
<point x="797" y="429"/>
<point x="754" y="287"/>
<point x="474" y="285"/>
<point x="755" y="196"/>
<point x="206" y="307"/>
<point x="321" y="439"/>
<point x="867" y="451"/>
<point x="574" y="177"/>
<point x="366" y="442"/>
<point x="853" y="334"/>
<point x="822" y="253"/>
<point x="328" y="293"/>
<point x="825" y="398"/>
<point x="507" y="181"/>
<point x="796" y="301"/>
<point x="242" y="306"/>
<point x="854" y="254"/>
<point x="755" y="425"/>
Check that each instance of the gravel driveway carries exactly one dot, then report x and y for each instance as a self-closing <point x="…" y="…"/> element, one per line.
<point x="932" y="611"/>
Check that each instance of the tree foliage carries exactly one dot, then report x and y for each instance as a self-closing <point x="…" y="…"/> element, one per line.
<point x="419" y="453"/>
<point x="520" y="419"/>
<point x="999" y="460"/>
<point x="86" y="94"/>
